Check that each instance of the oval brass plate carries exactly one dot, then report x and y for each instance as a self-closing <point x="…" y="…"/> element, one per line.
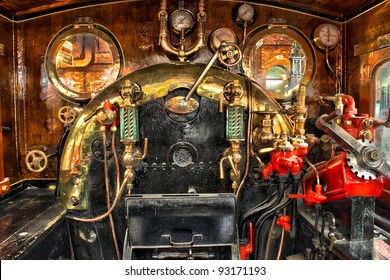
<point x="180" y="106"/>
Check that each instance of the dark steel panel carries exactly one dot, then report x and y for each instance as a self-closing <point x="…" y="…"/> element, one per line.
<point x="181" y="220"/>
<point x="27" y="218"/>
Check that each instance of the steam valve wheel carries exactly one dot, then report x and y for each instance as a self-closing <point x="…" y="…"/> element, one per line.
<point x="229" y="55"/>
<point x="67" y="115"/>
<point x="36" y="161"/>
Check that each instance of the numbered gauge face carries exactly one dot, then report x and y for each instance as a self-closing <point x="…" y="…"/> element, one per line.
<point x="222" y="34"/>
<point x="244" y="14"/>
<point x="182" y="20"/>
<point x="326" y="36"/>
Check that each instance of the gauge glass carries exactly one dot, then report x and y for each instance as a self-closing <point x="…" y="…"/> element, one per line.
<point x="222" y="34"/>
<point x="182" y="19"/>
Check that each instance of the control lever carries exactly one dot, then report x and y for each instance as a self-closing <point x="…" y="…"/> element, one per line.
<point x="227" y="54"/>
<point x="386" y="123"/>
<point x="367" y="156"/>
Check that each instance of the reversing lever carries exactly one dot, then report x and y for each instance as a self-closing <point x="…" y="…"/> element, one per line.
<point x="228" y="54"/>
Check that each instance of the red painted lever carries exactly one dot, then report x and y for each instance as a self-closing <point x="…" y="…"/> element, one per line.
<point x="247" y="249"/>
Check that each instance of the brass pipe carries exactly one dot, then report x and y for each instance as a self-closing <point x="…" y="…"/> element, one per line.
<point x="131" y="158"/>
<point x="300" y="113"/>
<point x="257" y="157"/>
<point x="165" y="41"/>
<point x="108" y="200"/>
<point x="280" y="250"/>
<point x="233" y="157"/>
<point x="314" y="168"/>
<point x="233" y="165"/>
<point x="282" y="236"/>
<point x="248" y="136"/>
<point x="101" y="217"/>
<point x="117" y="170"/>
<point x="145" y="150"/>
<point x="221" y="169"/>
<point x="269" y="239"/>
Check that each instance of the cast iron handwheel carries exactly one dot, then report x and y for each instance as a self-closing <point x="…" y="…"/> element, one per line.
<point x="67" y="115"/>
<point x="230" y="55"/>
<point x="36" y="161"/>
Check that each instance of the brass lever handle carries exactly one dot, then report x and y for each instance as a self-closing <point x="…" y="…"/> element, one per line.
<point x="145" y="152"/>
<point x="232" y="165"/>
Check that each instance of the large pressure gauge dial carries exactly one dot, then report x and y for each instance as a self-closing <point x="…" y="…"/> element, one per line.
<point x="326" y="36"/>
<point x="182" y="20"/>
<point x="222" y="34"/>
<point x="244" y="14"/>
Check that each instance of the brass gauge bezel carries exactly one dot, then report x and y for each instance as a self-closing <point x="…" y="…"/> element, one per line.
<point x="222" y="34"/>
<point x="188" y="15"/>
<point x="244" y="14"/>
<point x="322" y="41"/>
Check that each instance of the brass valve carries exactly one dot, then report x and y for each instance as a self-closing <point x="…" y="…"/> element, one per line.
<point x="300" y="113"/>
<point x="263" y="134"/>
<point x="386" y="123"/>
<point x="132" y="157"/>
<point x="232" y="157"/>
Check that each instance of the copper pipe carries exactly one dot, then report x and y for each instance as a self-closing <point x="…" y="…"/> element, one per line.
<point x="282" y="236"/>
<point x="249" y="135"/>
<point x="221" y="169"/>
<point x="337" y="80"/>
<point x="269" y="238"/>
<point x="117" y="170"/>
<point x="281" y="245"/>
<point x="106" y="181"/>
<point x="101" y="217"/>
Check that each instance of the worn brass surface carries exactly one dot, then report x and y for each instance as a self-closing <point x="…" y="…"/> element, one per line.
<point x="232" y="156"/>
<point x="373" y="45"/>
<point x="179" y="105"/>
<point x="156" y="82"/>
<point x="182" y="51"/>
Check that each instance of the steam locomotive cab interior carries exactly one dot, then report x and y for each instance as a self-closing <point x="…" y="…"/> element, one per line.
<point x="230" y="130"/>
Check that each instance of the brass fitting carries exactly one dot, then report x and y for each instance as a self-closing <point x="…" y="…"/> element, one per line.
<point x="232" y="156"/>
<point x="263" y="135"/>
<point x="300" y="113"/>
<point x="132" y="157"/>
<point x="338" y="102"/>
<point x="181" y="52"/>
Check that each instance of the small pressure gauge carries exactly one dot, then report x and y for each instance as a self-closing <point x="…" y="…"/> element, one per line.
<point x="182" y="20"/>
<point x="244" y="14"/>
<point x="326" y="36"/>
<point x="222" y="34"/>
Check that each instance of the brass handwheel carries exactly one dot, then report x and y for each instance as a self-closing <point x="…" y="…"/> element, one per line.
<point x="230" y="55"/>
<point x="36" y="161"/>
<point x="67" y="115"/>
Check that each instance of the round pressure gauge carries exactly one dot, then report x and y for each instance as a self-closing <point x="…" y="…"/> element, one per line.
<point x="222" y="34"/>
<point x="326" y="36"/>
<point x="244" y="14"/>
<point x="182" y="20"/>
